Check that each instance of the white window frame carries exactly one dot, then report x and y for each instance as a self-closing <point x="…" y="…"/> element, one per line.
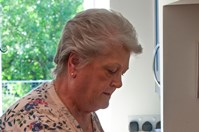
<point x="96" y="4"/>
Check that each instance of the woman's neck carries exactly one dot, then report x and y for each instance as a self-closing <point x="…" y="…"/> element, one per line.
<point x="84" y="118"/>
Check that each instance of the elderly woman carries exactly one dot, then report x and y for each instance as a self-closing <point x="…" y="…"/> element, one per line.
<point x="92" y="55"/>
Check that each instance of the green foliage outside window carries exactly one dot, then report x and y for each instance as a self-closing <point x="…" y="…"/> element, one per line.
<point x="30" y="31"/>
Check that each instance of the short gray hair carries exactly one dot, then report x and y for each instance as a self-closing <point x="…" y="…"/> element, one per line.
<point x="90" y="32"/>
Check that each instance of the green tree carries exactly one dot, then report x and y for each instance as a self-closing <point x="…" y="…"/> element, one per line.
<point x="30" y="31"/>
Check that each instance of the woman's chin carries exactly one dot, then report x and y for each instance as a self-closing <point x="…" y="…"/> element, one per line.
<point x="104" y="105"/>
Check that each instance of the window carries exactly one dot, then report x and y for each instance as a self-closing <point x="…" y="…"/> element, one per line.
<point x="30" y="31"/>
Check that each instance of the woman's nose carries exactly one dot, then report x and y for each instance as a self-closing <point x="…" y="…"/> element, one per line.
<point x="116" y="82"/>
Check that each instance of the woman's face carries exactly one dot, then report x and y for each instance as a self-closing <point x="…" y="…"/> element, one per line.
<point x="96" y="82"/>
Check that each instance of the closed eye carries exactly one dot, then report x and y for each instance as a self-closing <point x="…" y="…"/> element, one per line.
<point x="112" y="71"/>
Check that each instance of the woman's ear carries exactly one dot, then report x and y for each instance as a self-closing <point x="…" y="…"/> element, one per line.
<point x="73" y="63"/>
<point x="74" y="59"/>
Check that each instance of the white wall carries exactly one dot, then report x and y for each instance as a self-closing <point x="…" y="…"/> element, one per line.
<point x="137" y="96"/>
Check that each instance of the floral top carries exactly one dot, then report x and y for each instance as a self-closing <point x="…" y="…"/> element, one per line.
<point x="42" y="111"/>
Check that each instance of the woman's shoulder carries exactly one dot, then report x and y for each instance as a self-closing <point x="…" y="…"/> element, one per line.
<point x="33" y="112"/>
<point x="34" y="99"/>
<point x="30" y="104"/>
